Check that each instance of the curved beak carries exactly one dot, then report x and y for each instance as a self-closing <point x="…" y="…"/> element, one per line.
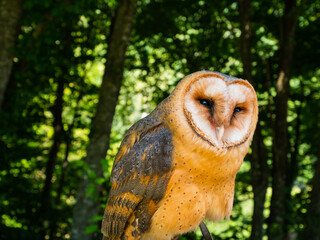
<point x="219" y="133"/>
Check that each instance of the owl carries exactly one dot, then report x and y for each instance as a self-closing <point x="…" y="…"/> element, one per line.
<point x="177" y="166"/>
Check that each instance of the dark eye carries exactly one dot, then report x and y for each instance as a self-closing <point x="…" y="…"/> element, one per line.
<point x="237" y="109"/>
<point x="205" y="102"/>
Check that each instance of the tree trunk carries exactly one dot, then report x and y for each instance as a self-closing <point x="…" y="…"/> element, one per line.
<point x="268" y="87"/>
<point x="57" y="139"/>
<point x="10" y="12"/>
<point x="292" y="172"/>
<point x="280" y="140"/>
<point x="244" y="7"/>
<point x="259" y="166"/>
<point x="313" y="215"/>
<point x="53" y="220"/>
<point x="259" y="175"/>
<point x="65" y="163"/>
<point x="88" y="206"/>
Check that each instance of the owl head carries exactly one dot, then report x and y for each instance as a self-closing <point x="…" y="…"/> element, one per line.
<point x="219" y="109"/>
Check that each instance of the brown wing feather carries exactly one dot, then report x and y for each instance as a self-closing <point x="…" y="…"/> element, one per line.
<point x="139" y="178"/>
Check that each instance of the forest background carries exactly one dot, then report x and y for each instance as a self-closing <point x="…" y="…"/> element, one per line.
<point x="75" y="75"/>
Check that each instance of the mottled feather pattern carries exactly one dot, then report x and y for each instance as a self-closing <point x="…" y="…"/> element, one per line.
<point x="139" y="179"/>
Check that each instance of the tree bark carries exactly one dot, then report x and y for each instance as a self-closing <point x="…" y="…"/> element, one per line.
<point x="259" y="166"/>
<point x="10" y="12"/>
<point x="280" y="140"/>
<point x="88" y="206"/>
<point x="312" y="224"/>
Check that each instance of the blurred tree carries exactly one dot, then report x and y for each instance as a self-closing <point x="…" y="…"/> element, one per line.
<point x="68" y="139"/>
<point x="10" y="12"/>
<point x="280" y="140"/>
<point x="87" y="207"/>
<point x="259" y="157"/>
<point x="312" y="228"/>
<point x="57" y="140"/>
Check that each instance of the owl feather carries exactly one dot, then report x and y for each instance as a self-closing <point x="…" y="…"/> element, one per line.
<point x="177" y="166"/>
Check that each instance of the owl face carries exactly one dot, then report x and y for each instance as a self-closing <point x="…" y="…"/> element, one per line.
<point x="221" y="111"/>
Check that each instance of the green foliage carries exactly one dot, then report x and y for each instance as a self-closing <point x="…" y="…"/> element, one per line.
<point x="67" y="41"/>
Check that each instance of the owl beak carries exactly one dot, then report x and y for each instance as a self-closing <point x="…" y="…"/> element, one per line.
<point x="219" y="132"/>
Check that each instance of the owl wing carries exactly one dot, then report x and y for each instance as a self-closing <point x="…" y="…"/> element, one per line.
<point x="140" y="175"/>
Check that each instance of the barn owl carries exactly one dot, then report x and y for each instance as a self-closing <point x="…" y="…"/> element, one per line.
<point x="177" y="166"/>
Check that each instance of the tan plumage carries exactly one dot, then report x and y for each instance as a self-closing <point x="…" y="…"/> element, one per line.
<point x="177" y="166"/>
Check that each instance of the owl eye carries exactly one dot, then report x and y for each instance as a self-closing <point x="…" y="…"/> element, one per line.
<point x="237" y="109"/>
<point x="205" y="102"/>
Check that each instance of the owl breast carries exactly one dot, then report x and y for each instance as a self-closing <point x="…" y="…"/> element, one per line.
<point x="188" y="201"/>
<point x="196" y="191"/>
